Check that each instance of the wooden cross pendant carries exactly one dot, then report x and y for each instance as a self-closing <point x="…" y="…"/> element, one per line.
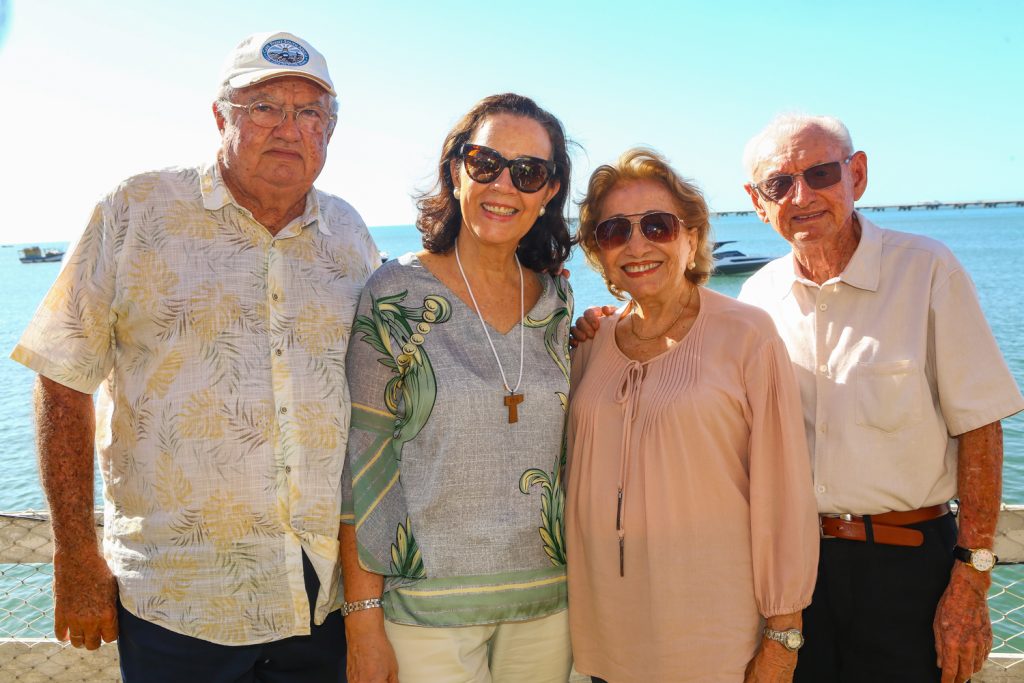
<point x="511" y="401"/>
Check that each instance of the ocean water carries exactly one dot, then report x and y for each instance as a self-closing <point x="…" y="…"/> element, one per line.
<point x="990" y="243"/>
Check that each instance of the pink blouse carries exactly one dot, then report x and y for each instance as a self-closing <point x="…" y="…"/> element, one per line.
<point x="717" y="523"/>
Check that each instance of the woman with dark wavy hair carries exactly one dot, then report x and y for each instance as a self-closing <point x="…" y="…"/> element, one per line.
<point x="458" y="370"/>
<point x="546" y="244"/>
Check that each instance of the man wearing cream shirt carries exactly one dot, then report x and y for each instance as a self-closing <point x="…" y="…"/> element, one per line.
<point x="903" y="389"/>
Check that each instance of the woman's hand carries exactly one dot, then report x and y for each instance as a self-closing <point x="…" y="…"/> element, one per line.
<point x="773" y="663"/>
<point x="371" y="658"/>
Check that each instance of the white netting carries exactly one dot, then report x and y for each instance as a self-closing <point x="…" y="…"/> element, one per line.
<point x="29" y="654"/>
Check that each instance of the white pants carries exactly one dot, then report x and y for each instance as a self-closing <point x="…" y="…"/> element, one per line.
<point x="535" y="651"/>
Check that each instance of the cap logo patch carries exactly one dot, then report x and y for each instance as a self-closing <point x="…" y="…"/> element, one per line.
<point x="285" y="52"/>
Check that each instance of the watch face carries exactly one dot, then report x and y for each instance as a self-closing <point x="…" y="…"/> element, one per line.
<point x="983" y="560"/>
<point x="793" y="640"/>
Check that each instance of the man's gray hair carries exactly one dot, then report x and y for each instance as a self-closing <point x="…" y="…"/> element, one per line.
<point x="787" y="124"/>
<point x="226" y="94"/>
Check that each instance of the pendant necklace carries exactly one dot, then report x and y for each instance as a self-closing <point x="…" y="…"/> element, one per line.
<point x="513" y="399"/>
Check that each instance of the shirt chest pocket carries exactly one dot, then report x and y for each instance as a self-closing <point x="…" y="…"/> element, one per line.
<point x="889" y="395"/>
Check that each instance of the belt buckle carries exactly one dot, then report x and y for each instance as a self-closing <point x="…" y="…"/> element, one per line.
<point x="845" y="516"/>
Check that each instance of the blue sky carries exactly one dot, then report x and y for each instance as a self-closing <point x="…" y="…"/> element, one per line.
<point x="930" y="90"/>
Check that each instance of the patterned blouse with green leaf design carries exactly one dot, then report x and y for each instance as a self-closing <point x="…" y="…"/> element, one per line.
<point x="460" y="510"/>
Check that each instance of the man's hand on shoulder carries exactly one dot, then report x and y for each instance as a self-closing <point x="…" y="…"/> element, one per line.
<point x="963" y="629"/>
<point x="587" y="324"/>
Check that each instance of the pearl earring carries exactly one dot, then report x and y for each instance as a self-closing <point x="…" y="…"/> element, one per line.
<point x="541" y="212"/>
<point x="456" y="192"/>
<point x="693" y="264"/>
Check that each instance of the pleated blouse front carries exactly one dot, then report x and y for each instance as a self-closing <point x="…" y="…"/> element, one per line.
<point x="717" y="524"/>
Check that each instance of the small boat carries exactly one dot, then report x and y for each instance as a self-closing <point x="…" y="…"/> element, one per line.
<point x="384" y="257"/>
<point x="733" y="262"/>
<point x="37" y="255"/>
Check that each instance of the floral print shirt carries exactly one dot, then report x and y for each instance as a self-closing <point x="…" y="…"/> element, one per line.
<point x="219" y="350"/>
<point x="457" y="506"/>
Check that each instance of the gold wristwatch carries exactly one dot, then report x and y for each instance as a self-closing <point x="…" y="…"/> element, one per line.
<point x="981" y="559"/>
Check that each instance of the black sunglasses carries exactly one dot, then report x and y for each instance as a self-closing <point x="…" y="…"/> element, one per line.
<point x="484" y="165"/>
<point x="655" y="226"/>
<point x="817" y="178"/>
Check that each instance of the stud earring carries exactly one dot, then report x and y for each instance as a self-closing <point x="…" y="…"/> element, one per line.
<point x="541" y="212"/>
<point x="456" y="192"/>
<point x="693" y="264"/>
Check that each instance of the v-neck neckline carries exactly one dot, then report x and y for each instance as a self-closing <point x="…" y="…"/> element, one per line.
<point x="545" y="284"/>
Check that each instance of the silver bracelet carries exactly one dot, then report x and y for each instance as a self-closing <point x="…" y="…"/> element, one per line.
<point x="348" y="608"/>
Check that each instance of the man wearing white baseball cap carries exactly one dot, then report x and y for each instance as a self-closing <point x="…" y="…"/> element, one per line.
<point x="211" y="308"/>
<point x="263" y="56"/>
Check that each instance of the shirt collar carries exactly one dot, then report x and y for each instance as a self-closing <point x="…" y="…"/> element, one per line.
<point x="216" y="195"/>
<point x="865" y="266"/>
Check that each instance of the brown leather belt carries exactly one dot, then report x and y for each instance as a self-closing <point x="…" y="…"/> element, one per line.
<point x="887" y="528"/>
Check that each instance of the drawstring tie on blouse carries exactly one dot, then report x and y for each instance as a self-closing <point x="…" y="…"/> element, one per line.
<point x="628" y="395"/>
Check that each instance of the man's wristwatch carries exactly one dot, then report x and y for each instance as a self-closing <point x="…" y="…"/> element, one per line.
<point x="981" y="559"/>
<point x="791" y="639"/>
<point x="348" y="608"/>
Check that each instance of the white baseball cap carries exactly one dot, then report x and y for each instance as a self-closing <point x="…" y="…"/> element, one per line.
<point x="262" y="56"/>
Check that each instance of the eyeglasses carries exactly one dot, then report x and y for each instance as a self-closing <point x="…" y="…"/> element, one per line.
<point x="309" y="119"/>
<point x="656" y="226"/>
<point x="484" y="165"/>
<point x="817" y="178"/>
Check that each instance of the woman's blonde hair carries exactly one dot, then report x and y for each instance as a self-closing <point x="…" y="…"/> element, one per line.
<point x="635" y="164"/>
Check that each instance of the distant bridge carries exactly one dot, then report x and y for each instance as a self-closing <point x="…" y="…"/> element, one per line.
<point x="910" y="207"/>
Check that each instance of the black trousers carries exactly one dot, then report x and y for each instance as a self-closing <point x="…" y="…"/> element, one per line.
<point x="153" y="654"/>
<point x="871" y="615"/>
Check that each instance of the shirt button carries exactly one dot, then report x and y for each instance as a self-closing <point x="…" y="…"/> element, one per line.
<point x="284" y="410"/>
<point x="288" y="469"/>
<point x="823" y="369"/>
<point x="822" y="428"/>
<point x="820" y="488"/>
<point x="823" y="307"/>
<point x="274" y="296"/>
<point x="278" y="352"/>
